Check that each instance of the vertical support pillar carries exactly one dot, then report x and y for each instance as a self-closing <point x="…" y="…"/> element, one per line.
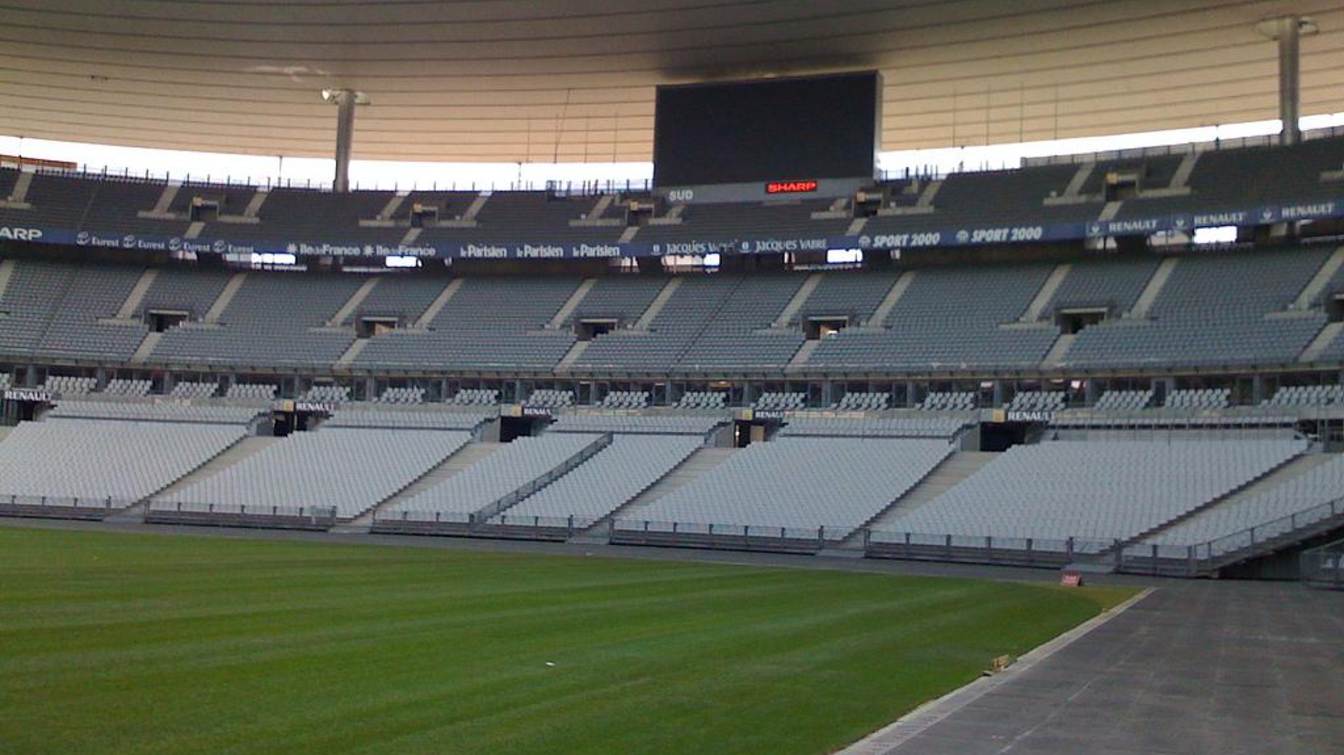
<point x="345" y="101"/>
<point x="345" y="134"/>
<point x="1289" y="74"/>
<point x="1288" y="32"/>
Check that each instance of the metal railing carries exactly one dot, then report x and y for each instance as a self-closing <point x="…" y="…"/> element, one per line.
<point x="311" y="514"/>
<point x="1323" y="566"/>
<point x="532" y="486"/>
<point x="989" y="549"/>
<point x="820" y="535"/>
<point x="1204" y="558"/>
<point x="57" y="504"/>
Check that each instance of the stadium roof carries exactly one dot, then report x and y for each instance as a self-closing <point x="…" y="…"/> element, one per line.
<point x="541" y="80"/>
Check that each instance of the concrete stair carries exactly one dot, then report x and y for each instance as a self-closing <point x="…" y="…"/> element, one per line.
<point x="893" y="296"/>
<point x="1294" y="467"/>
<point x="945" y="476"/>
<point x="225" y="296"/>
<point x="229" y="457"/>
<point x="137" y="295"/>
<point x="800" y="357"/>
<point x="1320" y="280"/>
<point x="465" y="457"/>
<point x="572" y="355"/>
<point x="1181" y="178"/>
<point x="352" y="352"/>
<point x="233" y="455"/>
<point x="1154" y="287"/>
<point x="146" y="348"/>
<point x="798" y="301"/>
<point x="254" y="204"/>
<point x="18" y="196"/>
<point x="1060" y="350"/>
<point x="6" y="273"/>
<point x="572" y="303"/>
<point x="1046" y="293"/>
<point x="356" y="299"/>
<point x="436" y="306"/>
<point x="1321" y="342"/>
<point x="656" y="306"/>
<point x="690" y="469"/>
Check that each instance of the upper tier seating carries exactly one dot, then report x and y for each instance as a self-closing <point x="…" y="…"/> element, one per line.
<point x="1224" y="179"/>
<point x="488" y="322"/>
<point x="709" y="322"/>
<point x="272" y="320"/>
<point x="1215" y="309"/>
<point x="950" y="318"/>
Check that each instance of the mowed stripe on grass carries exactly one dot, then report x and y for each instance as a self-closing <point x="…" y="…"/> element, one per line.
<point x="148" y="643"/>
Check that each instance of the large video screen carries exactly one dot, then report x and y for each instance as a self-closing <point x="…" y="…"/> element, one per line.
<point x="766" y="130"/>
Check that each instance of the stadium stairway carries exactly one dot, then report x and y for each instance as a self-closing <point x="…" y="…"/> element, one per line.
<point x="889" y="301"/>
<point x="1046" y="293"/>
<point x="1328" y="335"/>
<point x="658" y="303"/>
<point x="6" y="273"/>
<point x="944" y="477"/>
<point x="465" y="457"/>
<point x="351" y="304"/>
<point x="1316" y="286"/>
<point x="437" y="305"/>
<point x="562" y="316"/>
<point x="1154" y="287"/>
<point x="1284" y="472"/>
<point x="695" y="465"/>
<point x="230" y="456"/>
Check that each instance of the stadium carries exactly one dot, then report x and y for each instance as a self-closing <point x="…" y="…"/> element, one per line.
<point x="880" y="377"/>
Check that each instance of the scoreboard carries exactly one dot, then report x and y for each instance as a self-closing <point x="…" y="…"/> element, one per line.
<point x="785" y="134"/>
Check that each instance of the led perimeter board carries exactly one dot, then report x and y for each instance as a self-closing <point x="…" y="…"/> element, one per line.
<point x="794" y="129"/>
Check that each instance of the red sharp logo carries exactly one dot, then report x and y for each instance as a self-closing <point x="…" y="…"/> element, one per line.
<point x="790" y="187"/>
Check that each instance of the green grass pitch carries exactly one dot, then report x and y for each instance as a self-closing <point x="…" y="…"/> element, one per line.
<point x="154" y="643"/>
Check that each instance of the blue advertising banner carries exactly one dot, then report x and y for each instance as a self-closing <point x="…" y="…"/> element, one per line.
<point x="930" y="238"/>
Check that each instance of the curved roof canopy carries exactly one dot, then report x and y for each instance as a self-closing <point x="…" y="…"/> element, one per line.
<point x="573" y="80"/>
